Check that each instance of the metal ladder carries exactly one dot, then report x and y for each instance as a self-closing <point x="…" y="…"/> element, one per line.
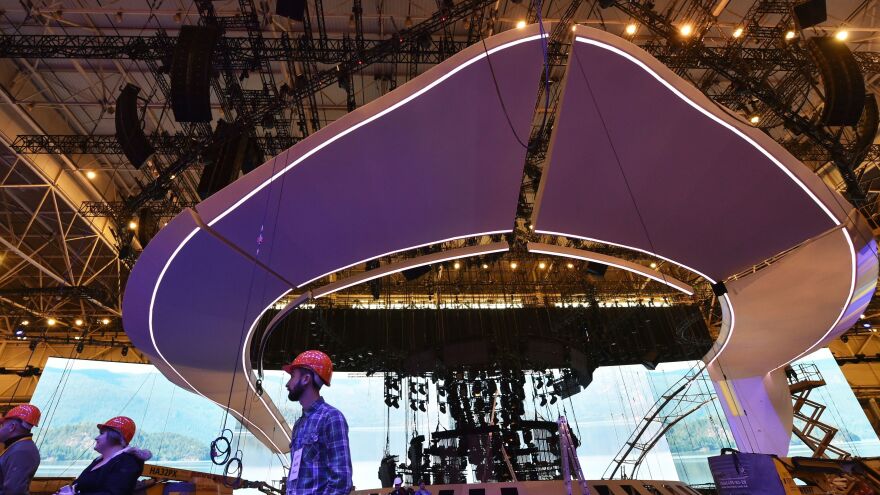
<point x="569" y="458"/>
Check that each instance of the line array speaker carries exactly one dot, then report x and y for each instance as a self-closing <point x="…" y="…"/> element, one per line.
<point x="841" y="78"/>
<point x="292" y="9"/>
<point x="232" y="150"/>
<point x="191" y="73"/>
<point x="129" y="132"/>
<point x="809" y="13"/>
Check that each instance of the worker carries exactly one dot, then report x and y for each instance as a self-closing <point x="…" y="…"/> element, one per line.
<point x="116" y="470"/>
<point x="422" y="490"/>
<point x="398" y="487"/>
<point x="20" y="460"/>
<point x="320" y="458"/>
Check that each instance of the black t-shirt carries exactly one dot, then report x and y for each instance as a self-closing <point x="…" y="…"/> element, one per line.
<point x="117" y="477"/>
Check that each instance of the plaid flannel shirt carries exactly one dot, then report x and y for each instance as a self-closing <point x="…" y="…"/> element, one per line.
<point x="325" y="465"/>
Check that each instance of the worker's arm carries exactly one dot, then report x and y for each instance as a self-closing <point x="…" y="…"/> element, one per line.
<point x="336" y="455"/>
<point x="20" y="467"/>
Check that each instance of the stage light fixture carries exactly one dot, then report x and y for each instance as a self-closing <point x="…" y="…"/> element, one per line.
<point x="542" y="265"/>
<point x="631" y="29"/>
<point x="77" y="322"/>
<point x="520" y="24"/>
<point x="132" y="225"/>
<point x="91" y="174"/>
<point x="51" y="322"/>
<point x="80" y="347"/>
<point x="841" y="35"/>
<point x="456" y="265"/>
<point x="569" y="265"/>
<point x="125" y="350"/>
<point x="790" y="35"/>
<point x="33" y="345"/>
<point x="686" y="30"/>
<point x="19" y="332"/>
<point x="26" y="322"/>
<point x="866" y="325"/>
<point x="737" y="32"/>
<point x="653" y="265"/>
<point x="105" y="321"/>
<point x="755" y="119"/>
<point x="513" y="265"/>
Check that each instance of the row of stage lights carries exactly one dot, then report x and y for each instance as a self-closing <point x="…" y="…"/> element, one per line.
<point x="542" y="265"/>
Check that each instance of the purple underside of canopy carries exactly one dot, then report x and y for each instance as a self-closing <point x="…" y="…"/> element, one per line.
<point x="632" y="163"/>
<point x="446" y="164"/>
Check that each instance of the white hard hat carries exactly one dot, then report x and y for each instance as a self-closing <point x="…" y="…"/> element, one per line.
<point x="398" y="481"/>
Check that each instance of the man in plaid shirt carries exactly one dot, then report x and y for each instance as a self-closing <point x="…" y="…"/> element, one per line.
<point x="320" y="458"/>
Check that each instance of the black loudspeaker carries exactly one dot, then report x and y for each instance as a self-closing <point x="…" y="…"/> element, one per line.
<point x="509" y="490"/>
<point x="148" y="226"/>
<point x="809" y="13"/>
<point x="191" y="73"/>
<point x="231" y="150"/>
<point x="719" y="289"/>
<point x="841" y="78"/>
<point x="597" y="269"/>
<point x="129" y="133"/>
<point x="292" y="9"/>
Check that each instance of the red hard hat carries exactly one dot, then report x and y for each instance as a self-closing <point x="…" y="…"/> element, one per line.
<point x="122" y="424"/>
<point x="28" y="413"/>
<point x="316" y="361"/>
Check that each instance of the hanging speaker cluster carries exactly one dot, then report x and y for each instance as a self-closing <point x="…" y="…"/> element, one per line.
<point x="292" y="9"/>
<point x="191" y="73"/>
<point x="809" y="13"/>
<point x="129" y="131"/>
<point x="841" y="78"/>
<point x="233" y="150"/>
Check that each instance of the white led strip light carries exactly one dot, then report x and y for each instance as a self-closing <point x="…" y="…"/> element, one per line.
<point x="645" y="272"/>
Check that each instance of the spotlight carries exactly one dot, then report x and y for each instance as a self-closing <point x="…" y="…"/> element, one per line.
<point x="456" y="265"/>
<point x="790" y="35"/>
<point x="132" y="225"/>
<point x="105" y="321"/>
<point x="686" y="30"/>
<point x="569" y="265"/>
<point x="755" y="119"/>
<point x="78" y="322"/>
<point x="653" y="265"/>
<point x="19" y="332"/>
<point x="91" y="174"/>
<point x="33" y="345"/>
<point x="26" y="322"/>
<point x="866" y="325"/>
<point x="553" y="399"/>
<point x="841" y="35"/>
<point x="737" y="32"/>
<point x="542" y="265"/>
<point x="125" y="350"/>
<point x="520" y="24"/>
<point x="631" y="29"/>
<point x="485" y="266"/>
<point x="80" y="347"/>
<point x="51" y="322"/>
<point x="443" y="407"/>
<point x="861" y="317"/>
<point x="513" y="265"/>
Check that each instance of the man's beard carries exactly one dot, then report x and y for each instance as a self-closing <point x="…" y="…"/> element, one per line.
<point x="297" y="392"/>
